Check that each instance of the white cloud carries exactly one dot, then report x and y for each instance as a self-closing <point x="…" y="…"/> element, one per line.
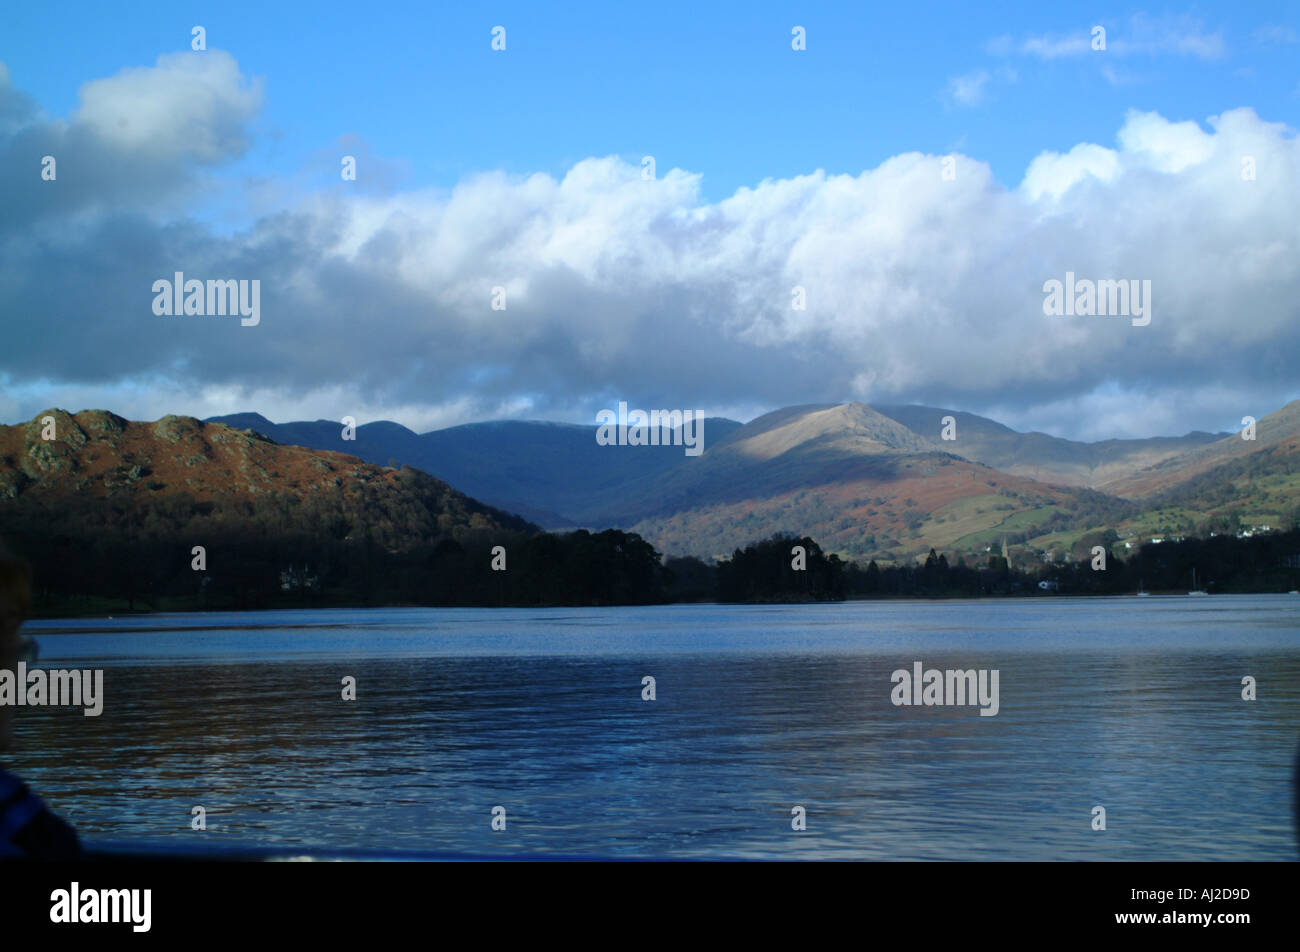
<point x="1122" y="411"/>
<point x="1051" y="174"/>
<point x="189" y="104"/>
<point x="972" y="88"/>
<point x="968" y="90"/>
<point x="1118" y="77"/>
<point x="1056" y="46"/>
<point x="917" y="288"/>
<point x="1166" y="146"/>
<point x="1276" y="35"/>
<point x="1140" y="36"/>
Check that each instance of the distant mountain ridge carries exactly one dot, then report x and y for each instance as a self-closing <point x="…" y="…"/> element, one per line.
<point x="862" y="480"/>
<point x="844" y="473"/>
<point x="1101" y="465"/>
<point x="554" y="474"/>
<point x="859" y="482"/>
<point x="1277" y="437"/>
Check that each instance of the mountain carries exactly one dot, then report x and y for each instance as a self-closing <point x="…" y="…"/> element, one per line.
<point x="177" y="472"/>
<point x="1272" y="452"/>
<point x="857" y="481"/>
<point x="1230" y="485"/>
<point x="778" y="452"/>
<point x="1105" y="465"/>
<point x="179" y="514"/>
<point x="554" y="474"/>
<point x="865" y="482"/>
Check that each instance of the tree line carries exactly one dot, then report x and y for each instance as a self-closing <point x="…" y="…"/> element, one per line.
<point x="87" y="560"/>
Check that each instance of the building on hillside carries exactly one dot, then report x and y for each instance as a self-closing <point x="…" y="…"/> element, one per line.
<point x="292" y="580"/>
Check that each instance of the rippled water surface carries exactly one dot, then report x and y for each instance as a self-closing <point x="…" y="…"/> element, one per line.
<point x="1131" y="704"/>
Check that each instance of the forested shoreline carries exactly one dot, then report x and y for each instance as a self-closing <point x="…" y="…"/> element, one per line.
<point x="82" y="566"/>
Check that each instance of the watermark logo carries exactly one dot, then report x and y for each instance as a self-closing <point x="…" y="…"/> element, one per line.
<point x="75" y="904"/>
<point x="1087" y="298"/>
<point x="656" y="428"/>
<point x="56" y="687"/>
<point x="179" y="296"/>
<point x="932" y="687"/>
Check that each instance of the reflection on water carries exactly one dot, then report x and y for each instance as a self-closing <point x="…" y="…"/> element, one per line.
<point x="1132" y="705"/>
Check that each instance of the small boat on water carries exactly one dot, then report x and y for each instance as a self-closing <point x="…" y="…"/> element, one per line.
<point x="1195" y="590"/>
<point x="1141" y="592"/>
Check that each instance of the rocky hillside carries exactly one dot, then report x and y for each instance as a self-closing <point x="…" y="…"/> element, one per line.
<point x="162" y="476"/>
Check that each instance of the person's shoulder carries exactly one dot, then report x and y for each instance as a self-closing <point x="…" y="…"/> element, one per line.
<point x="8" y="784"/>
<point x="28" y="830"/>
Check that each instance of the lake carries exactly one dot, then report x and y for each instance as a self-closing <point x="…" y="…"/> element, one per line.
<point x="1131" y="704"/>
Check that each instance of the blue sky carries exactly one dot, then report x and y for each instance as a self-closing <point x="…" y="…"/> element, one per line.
<point x="621" y="293"/>
<point x="712" y="88"/>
